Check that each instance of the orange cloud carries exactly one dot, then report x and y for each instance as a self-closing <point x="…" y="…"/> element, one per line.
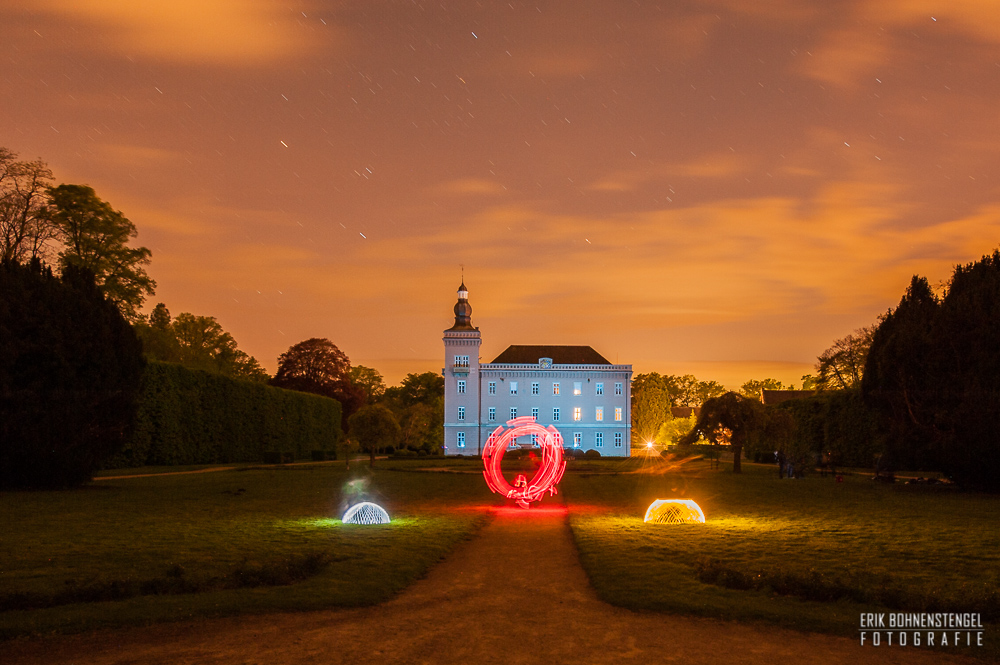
<point x="217" y="32"/>
<point x="844" y="57"/>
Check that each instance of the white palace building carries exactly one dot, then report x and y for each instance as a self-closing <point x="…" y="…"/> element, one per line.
<point x="574" y="388"/>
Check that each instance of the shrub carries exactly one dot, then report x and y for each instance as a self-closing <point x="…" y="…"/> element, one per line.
<point x="70" y="371"/>
<point x="592" y="454"/>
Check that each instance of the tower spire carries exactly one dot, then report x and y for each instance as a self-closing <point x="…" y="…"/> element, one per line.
<point x="463" y="310"/>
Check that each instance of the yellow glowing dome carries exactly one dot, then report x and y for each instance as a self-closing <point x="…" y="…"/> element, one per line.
<point x="674" y="511"/>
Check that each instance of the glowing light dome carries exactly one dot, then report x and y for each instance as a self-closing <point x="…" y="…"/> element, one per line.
<point x="366" y="512"/>
<point x="674" y="511"/>
<point x="525" y="491"/>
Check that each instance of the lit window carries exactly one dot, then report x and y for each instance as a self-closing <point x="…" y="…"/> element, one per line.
<point x="534" y="388"/>
<point x="600" y="388"/>
<point x="534" y="413"/>
<point x="493" y="414"/>
<point x="577" y="413"/>
<point x="493" y="387"/>
<point x="618" y="388"/>
<point x="599" y="439"/>
<point x="461" y="439"/>
<point x="513" y="387"/>
<point x="599" y="414"/>
<point x="513" y="412"/>
<point x="577" y="387"/>
<point x="618" y="439"/>
<point x="555" y="414"/>
<point x="555" y="388"/>
<point x="462" y="362"/>
<point x="618" y="413"/>
<point x="577" y="439"/>
<point x="461" y="413"/>
<point x="461" y="386"/>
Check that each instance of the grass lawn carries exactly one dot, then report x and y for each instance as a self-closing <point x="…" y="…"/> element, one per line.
<point x="809" y="554"/>
<point x="209" y="544"/>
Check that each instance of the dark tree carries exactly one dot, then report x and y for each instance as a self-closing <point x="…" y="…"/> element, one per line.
<point x="933" y="375"/>
<point x="96" y="237"/>
<point x="25" y="225"/>
<point x="317" y="366"/>
<point x="842" y="365"/>
<point x="901" y="375"/>
<point x="70" y="371"/>
<point x="375" y="428"/>
<point x="731" y="416"/>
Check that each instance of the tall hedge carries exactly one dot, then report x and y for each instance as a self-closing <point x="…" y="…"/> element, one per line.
<point x="189" y="416"/>
<point x="838" y="422"/>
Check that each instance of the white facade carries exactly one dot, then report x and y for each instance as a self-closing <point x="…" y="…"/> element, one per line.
<point x="573" y="388"/>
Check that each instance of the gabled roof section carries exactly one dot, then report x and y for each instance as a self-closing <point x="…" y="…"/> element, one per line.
<point x="561" y="355"/>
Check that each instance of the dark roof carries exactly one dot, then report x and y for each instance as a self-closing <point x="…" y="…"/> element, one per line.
<point x="685" y="411"/>
<point x="561" y="355"/>
<point x="779" y="396"/>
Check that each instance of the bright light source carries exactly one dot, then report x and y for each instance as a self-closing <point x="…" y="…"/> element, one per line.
<point x="649" y="445"/>
<point x="674" y="511"/>
<point x="366" y="512"/>
<point x="545" y="479"/>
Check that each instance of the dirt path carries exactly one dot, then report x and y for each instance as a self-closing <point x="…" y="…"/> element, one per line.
<point x="515" y="594"/>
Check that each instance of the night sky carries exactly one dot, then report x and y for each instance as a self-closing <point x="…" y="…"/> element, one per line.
<point x="718" y="187"/>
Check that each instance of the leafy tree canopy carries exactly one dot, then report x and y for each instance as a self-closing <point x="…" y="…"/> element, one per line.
<point x="752" y="388"/>
<point x="728" y="419"/>
<point x="375" y="428"/>
<point x="317" y="366"/>
<point x="96" y="237"/>
<point x="369" y="381"/>
<point x="198" y="342"/>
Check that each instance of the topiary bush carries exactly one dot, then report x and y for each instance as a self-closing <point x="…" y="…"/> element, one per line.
<point x="70" y="372"/>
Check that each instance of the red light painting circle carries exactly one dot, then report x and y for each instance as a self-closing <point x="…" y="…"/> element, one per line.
<point x="545" y="479"/>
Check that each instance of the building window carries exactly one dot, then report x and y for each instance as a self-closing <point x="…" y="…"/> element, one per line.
<point x="555" y="388"/>
<point x="534" y="440"/>
<point x="513" y="412"/>
<point x="461" y="362"/>
<point x="577" y="413"/>
<point x="618" y="413"/>
<point x="513" y="387"/>
<point x="600" y="388"/>
<point x="599" y="439"/>
<point x="618" y="387"/>
<point x="461" y="413"/>
<point x="618" y="439"/>
<point x="461" y="386"/>
<point x="534" y="413"/>
<point x="555" y="413"/>
<point x="578" y="387"/>
<point x="493" y="387"/>
<point x="599" y="414"/>
<point x="461" y="439"/>
<point x="493" y="414"/>
<point x="534" y="388"/>
<point x="577" y="439"/>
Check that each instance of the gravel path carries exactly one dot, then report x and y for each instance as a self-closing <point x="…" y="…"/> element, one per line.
<point x="514" y="594"/>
